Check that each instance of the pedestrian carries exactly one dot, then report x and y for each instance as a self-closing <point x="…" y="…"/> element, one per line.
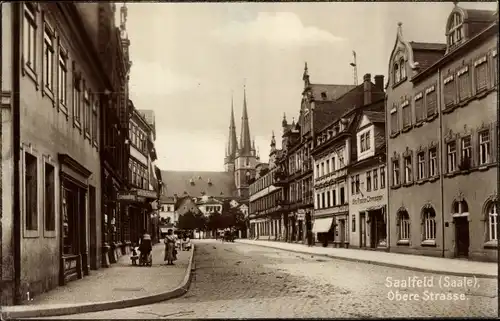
<point x="169" y="247"/>
<point x="309" y="238"/>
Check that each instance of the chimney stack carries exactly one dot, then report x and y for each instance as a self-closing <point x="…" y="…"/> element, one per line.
<point x="379" y="83"/>
<point x="367" y="88"/>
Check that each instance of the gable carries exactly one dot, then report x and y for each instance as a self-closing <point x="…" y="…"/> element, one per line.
<point x="364" y="122"/>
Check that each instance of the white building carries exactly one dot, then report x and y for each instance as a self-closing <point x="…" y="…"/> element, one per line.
<point x="367" y="178"/>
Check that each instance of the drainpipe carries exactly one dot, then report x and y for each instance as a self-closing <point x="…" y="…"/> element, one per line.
<point x="441" y="158"/>
<point x="16" y="143"/>
<point x="386" y="206"/>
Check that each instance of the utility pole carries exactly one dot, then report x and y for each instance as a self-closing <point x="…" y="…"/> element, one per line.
<point x="355" y="68"/>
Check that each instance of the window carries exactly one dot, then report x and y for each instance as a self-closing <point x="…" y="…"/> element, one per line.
<point x="48" y="58"/>
<point x="334" y="197"/>
<point x="455" y="30"/>
<point x="406" y="114"/>
<point x="404" y="225"/>
<point x="466" y="149"/>
<point x="95" y="119"/>
<point x="342" y="196"/>
<point x="322" y="169"/>
<point x="87" y="110"/>
<point x="323" y="203"/>
<point x="494" y="66"/>
<point x="327" y="166"/>
<point x="394" y="120"/>
<point x="328" y="199"/>
<point x="317" y="171"/>
<point x="341" y="158"/>
<point x="318" y="201"/>
<point x="76" y="101"/>
<point x="452" y="156"/>
<point x="375" y="179"/>
<point x="421" y="165"/>
<point x="493" y="222"/>
<point x="395" y="173"/>
<point x="419" y="108"/>
<point x="50" y="208"/>
<point x="449" y="91"/>
<point x="460" y="208"/>
<point x="429" y="224"/>
<point x="353" y="185"/>
<point x="368" y="181"/>
<point x="353" y="224"/>
<point x="357" y="184"/>
<point x="408" y="169"/>
<point x="481" y="74"/>
<point x="432" y="162"/>
<point x="402" y="67"/>
<point x="365" y="141"/>
<point x="464" y="83"/>
<point x="431" y="101"/>
<point x="397" y="75"/>
<point x="29" y="36"/>
<point x="62" y="75"/>
<point x="484" y="148"/>
<point x="382" y="177"/>
<point x="333" y="164"/>
<point x="31" y="192"/>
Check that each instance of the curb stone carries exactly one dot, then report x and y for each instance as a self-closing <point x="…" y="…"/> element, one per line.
<point x="394" y="265"/>
<point x="31" y="311"/>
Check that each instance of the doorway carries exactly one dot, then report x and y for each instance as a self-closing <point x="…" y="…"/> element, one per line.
<point x="342" y="231"/>
<point x="377" y="228"/>
<point x="462" y="236"/>
<point x="362" y="230"/>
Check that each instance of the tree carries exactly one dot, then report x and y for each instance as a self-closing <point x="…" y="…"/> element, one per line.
<point x="231" y="216"/>
<point x="187" y="221"/>
<point x="214" y="222"/>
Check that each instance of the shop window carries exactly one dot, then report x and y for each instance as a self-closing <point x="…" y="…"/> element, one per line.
<point x="31" y="192"/>
<point x="49" y="195"/>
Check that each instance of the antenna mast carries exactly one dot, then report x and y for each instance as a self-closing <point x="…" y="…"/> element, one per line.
<point x="355" y="68"/>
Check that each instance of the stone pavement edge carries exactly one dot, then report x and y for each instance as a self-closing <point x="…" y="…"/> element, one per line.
<point x="437" y="265"/>
<point x="48" y="310"/>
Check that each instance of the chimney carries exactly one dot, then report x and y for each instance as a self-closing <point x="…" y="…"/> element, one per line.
<point x="175" y="198"/>
<point x="379" y="83"/>
<point x="367" y="89"/>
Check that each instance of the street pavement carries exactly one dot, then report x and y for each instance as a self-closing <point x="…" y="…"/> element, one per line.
<point x="234" y="280"/>
<point x="121" y="281"/>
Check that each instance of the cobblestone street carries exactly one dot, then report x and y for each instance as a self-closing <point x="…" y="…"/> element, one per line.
<point x="244" y="281"/>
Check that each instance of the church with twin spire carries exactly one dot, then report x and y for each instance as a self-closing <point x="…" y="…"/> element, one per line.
<point x="241" y="158"/>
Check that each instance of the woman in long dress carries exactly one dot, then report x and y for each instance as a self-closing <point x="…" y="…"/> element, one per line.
<point x="169" y="248"/>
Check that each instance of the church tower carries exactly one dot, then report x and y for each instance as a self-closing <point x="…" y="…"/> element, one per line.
<point x="232" y="145"/>
<point x="246" y="156"/>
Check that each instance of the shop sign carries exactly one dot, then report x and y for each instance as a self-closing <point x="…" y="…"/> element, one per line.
<point x="146" y="193"/>
<point x="367" y="199"/>
<point x="301" y="214"/>
<point x="126" y="196"/>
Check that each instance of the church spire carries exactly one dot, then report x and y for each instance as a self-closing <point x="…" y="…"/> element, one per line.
<point x="232" y="146"/>
<point x="123" y="21"/>
<point x="245" y="141"/>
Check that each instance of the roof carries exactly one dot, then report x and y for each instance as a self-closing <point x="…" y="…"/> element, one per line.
<point x="332" y="91"/>
<point x="200" y="183"/>
<point x="427" y="53"/>
<point x="210" y="200"/>
<point x="167" y="199"/>
<point x="375" y="116"/>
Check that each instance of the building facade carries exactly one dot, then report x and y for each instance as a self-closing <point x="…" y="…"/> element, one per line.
<point x="441" y="109"/>
<point x="367" y="181"/>
<point x="335" y="150"/>
<point x="52" y="84"/>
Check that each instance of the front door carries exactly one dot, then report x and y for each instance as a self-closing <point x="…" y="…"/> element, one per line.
<point x="362" y="230"/>
<point x="462" y="236"/>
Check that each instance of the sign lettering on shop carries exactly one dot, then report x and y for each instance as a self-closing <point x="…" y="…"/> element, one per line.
<point x="367" y="199"/>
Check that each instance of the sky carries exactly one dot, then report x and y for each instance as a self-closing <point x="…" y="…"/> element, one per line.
<point x="190" y="59"/>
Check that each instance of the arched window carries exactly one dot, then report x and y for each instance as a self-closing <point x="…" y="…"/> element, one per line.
<point x="493" y="222"/>
<point x="429" y="220"/>
<point x="402" y="67"/>
<point x="460" y="208"/>
<point x="455" y="29"/>
<point x="404" y="225"/>
<point x="397" y="74"/>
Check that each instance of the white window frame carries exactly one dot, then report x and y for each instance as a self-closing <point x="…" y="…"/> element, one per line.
<point x="484" y="147"/>
<point x="451" y="157"/>
<point x="432" y="162"/>
<point x="493" y="222"/>
<point x="48" y="57"/>
<point x="421" y="165"/>
<point x="408" y="169"/>
<point x="28" y="149"/>
<point x="30" y="28"/>
<point x="62" y="77"/>
<point x="404" y="227"/>
<point x="396" y="171"/>
<point x="466" y="150"/>
<point x="429" y="225"/>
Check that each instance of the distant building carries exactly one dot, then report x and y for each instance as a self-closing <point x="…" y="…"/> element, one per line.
<point x="442" y="107"/>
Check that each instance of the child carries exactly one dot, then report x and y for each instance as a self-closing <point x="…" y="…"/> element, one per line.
<point x="134" y="256"/>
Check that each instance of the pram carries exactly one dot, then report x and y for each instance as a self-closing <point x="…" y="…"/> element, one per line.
<point x="146" y="257"/>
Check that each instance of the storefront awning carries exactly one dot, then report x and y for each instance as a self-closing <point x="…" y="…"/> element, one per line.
<point x="322" y="225"/>
<point x="164" y="230"/>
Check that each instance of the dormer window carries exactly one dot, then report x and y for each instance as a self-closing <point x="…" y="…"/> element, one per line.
<point x="323" y="95"/>
<point x="455" y="29"/>
<point x="397" y="75"/>
<point x="402" y="68"/>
